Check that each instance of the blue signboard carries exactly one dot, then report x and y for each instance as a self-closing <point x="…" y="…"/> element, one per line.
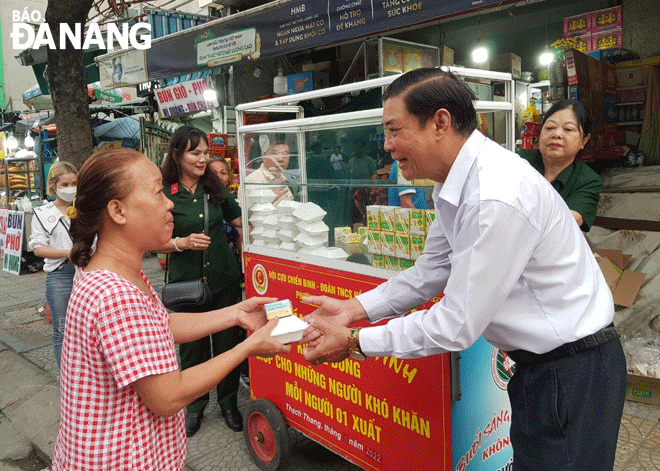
<point x="292" y="26"/>
<point x="481" y="419"/>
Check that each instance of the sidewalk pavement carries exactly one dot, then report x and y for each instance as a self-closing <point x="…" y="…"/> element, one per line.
<point x="29" y="400"/>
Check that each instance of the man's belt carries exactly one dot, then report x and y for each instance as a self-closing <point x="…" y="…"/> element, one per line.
<point x="603" y="336"/>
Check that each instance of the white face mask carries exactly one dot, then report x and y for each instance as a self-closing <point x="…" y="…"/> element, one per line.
<point x="67" y="194"/>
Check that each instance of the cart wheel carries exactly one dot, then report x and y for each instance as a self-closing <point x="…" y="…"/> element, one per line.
<point x="267" y="435"/>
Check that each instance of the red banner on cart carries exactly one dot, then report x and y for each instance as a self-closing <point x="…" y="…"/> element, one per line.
<point x="381" y="414"/>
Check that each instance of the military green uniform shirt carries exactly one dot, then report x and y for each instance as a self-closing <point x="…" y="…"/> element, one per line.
<point x="222" y="269"/>
<point x="577" y="184"/>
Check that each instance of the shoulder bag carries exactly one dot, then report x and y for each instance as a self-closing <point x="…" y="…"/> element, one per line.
<point x="184" y="296"/>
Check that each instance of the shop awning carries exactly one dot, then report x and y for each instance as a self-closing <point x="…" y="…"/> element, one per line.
<point x="286" y="26"/>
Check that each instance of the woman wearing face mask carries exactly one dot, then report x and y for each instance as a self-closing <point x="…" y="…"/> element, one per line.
<point x="50" y="239"/>
<point x="566" y="130"/>
<point x="187" y="181"/>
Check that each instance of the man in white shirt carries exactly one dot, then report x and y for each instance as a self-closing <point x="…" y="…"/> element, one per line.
<point x="275" y="160"/>
<point x="514" y="267"/>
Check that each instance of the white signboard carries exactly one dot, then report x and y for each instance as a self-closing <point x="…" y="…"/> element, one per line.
<point x="3" y="232"/>
<point x="13" y="246"/>
<point x="122" y="70"/>
<point x="182" y="98"/>
<point x="230" y="48"/>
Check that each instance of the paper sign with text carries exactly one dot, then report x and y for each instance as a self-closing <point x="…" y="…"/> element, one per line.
<point x="13" y="242"/>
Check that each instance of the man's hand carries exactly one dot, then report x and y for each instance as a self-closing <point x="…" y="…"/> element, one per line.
<point x="250" y="314"/>
<point x="332" y="344"/>
<point x="331" y="309"/>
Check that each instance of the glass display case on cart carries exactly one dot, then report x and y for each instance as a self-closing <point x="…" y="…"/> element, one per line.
<point x="338" y="222"/>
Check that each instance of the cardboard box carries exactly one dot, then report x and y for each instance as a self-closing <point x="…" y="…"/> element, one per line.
<point x="508" y="62"/>
<point x="387" y="218"/>
<point x="217" y="141"/>
<point x="373" y="217"/>
<point x="624" y="284"/>
<point x="412" y="59"/>
<point x="636" y="95"/>
<point x="307" y="81"/>
<point x="417" y="222"/>
<point x="392" y="58"/>
<point x="644" y="389"/>
<point x="446" y="55"/>
<point x="583" y="43"/>
<point x="595" y="75"/>
<point x="610" y="111"/>
<point x="609" y="77"/>
<point x="607" y="39"/>
<point x="577" y="25"/>
<point x="609" y="18"/>
<point x="577" y="69"/>
<point x="629" y="77"/>
<point x="402" y="220"/>
<point x="387" y="244"/>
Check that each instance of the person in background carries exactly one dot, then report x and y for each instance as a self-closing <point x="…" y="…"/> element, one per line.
<point x="188" y="181"/>
<point x="234" y="235"/>
<point x="275" y="160"/>
<point x="319" y="172"/>
<point x="405" y="197"/>
<point x="220" y="167"/>
<point x="336" y="159"/>
<point x="121" y="390"/>
<point x="50" y="239"/>
<point x="565" y="131"/>
<point x="364" y="197"/>
<point x="513" y="266"/>
<point x="360" y="166"/>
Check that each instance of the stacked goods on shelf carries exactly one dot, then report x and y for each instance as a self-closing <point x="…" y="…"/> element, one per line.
<point x="17" y="179"/>
<point x="597" y="33"/>
<point x="396" y="236"/>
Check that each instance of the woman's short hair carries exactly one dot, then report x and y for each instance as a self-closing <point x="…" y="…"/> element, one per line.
<point x="584" y="120"/>
<point x="428" y="89"/>
<point x="105" y="176"/>
<point x="171" y="168"/>
<point x="56" y="171"/>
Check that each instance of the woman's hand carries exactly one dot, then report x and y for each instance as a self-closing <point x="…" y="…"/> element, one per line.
<point x="195" y="242"/>
<point x="250" y="314"/>
<point x="262" y="344"/>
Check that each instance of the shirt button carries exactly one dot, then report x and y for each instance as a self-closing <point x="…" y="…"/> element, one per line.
<point x="195" y="200"/>
<point x="201" y="215"/>
<point x="208" y="264"/>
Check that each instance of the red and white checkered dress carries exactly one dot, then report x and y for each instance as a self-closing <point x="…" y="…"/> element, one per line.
<point x="115" y="335"/>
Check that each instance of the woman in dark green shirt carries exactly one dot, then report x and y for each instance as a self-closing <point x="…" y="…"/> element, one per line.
<point x="566" y="130"/>
<point x="187" y="180"/>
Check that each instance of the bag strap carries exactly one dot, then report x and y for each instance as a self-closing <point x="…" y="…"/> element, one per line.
<point x="206" y="232"/>
<point x="205" y="253"/>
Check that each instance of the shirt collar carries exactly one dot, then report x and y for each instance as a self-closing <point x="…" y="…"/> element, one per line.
<point x="269" y="177"/>
<point x="451" y="190"/>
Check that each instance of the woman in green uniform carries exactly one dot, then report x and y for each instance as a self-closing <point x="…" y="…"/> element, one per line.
<point x="187" y="180"/>
<point x="566" y="130"/>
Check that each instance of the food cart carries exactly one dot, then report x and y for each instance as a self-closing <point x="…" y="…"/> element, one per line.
<point x="442" y="412"/>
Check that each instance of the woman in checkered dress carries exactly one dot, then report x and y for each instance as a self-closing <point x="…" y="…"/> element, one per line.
<point x="122" y="394"/>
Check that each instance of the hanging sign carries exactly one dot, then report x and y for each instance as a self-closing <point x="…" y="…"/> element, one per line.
<point x="292" y="26"/>
<point x="183" y="98"/>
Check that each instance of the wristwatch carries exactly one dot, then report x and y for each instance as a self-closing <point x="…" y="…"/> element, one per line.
<point x="353" y="348"/>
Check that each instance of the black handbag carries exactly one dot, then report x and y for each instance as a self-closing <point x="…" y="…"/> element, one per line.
<point x="184" y="296"/>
